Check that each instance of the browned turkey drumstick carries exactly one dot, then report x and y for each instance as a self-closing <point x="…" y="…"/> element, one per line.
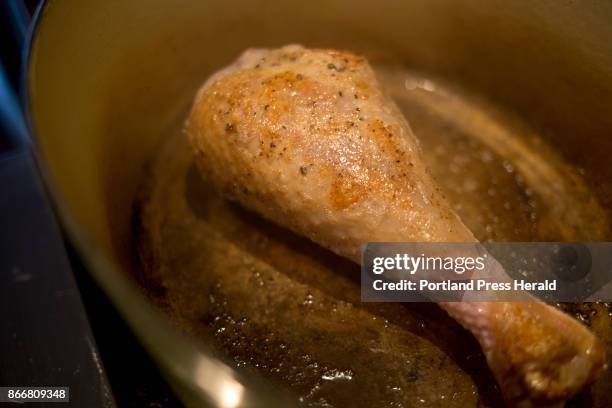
<point x="307" y="138"/>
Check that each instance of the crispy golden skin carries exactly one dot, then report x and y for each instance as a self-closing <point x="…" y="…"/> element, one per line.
<point x="308" y="139"/>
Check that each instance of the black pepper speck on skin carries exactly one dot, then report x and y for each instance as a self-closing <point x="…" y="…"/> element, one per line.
<point x="335" y="68"/>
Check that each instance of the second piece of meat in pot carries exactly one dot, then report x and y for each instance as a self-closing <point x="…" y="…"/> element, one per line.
<point x="308" y="139"/>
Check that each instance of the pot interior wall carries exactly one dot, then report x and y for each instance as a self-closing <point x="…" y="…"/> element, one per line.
<point x="108" y="79"/>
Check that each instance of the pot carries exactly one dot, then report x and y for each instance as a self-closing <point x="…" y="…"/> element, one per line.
<point x="106" y="80"/>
